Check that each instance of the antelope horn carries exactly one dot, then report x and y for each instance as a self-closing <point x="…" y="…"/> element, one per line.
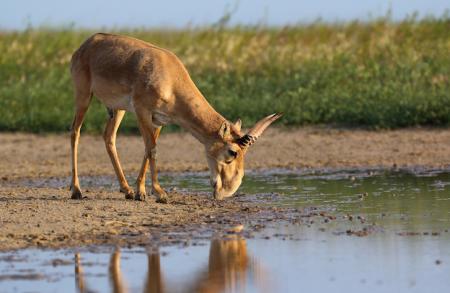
<point x="253" y="134"/>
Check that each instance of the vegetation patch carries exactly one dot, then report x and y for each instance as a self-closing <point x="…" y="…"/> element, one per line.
<point x="380" y="74"/>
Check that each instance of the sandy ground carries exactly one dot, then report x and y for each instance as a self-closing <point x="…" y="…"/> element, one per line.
<point x="28" y="155"/>
<point x="44" y="216"/>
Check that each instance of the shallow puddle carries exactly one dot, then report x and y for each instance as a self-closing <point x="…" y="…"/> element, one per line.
<point x="388" y="233"/>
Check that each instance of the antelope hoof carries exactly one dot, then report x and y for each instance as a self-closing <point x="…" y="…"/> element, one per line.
<point x="129" y="193"/>
<point x="161" y="195"/>
<point x="161" y="199"/>
<point x="76" y="194"/>
<point x="139" y="196"/>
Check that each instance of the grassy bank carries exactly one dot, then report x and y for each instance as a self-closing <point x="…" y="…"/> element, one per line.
<point x="377" y="74"/>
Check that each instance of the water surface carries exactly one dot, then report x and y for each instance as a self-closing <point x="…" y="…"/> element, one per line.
<point x="406" y="248"/>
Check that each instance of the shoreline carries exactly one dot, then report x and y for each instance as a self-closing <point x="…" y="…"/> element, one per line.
<point x="31" y="155"/>
<point x="41" y="215"/>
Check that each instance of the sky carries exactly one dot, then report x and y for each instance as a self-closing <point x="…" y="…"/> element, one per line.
<point x="18" y="14"/>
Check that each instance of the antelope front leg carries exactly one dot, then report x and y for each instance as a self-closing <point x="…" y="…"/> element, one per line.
<point x="161" y="195"/>
<point x="140" y="182"/>
<point x="150" y="135"/>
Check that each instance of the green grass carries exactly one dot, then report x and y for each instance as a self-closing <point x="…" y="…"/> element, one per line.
<point x="378" y="74"/>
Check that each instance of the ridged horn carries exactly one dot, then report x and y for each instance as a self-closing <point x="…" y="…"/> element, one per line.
<point x="255" y="132"/>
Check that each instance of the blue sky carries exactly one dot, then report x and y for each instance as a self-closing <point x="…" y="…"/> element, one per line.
<point x="17" y="14"/>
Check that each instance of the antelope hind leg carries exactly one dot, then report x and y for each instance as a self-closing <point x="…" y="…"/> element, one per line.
<point x="109" y="136"/>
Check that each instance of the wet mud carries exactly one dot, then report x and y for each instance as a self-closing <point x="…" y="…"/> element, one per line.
<point x="45" y="217"/>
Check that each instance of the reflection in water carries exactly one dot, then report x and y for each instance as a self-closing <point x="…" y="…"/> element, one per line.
<point x="115" y="275"/>
<point x="228" y="268"/>
<point x="154" y="282"/>
<point x="79" y="276"/>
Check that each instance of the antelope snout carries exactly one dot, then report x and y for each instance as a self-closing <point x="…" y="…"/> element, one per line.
<point x="217" y="195"/>
<point x="220" y="194"/>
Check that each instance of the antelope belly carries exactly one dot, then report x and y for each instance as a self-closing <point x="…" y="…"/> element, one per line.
<point x="118" y="102"/>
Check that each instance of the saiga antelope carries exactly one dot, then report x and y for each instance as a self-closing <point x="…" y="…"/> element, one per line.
<point x="128" y="74"/>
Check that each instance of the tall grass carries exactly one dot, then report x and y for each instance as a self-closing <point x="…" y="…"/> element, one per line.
<point x="378" y="74"/>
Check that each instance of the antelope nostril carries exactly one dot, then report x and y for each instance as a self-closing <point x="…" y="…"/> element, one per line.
<point x="232" y="153"/>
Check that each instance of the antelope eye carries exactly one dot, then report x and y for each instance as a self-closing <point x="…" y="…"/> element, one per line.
<point x="232" y="153"/>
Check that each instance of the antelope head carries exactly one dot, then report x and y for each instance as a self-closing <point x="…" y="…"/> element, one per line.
<point x="226" y="155"/>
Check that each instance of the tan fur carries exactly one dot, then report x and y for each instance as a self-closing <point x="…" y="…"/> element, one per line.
<point x="128" y="74"/>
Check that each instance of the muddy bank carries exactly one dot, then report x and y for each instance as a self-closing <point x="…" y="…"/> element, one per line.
<point x="46" y="217"/>
<point x="29" y="155"/>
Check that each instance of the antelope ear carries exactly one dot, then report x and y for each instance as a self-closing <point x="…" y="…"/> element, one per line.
<point x="224" y="131"/>
<point x="238" y="125"/>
